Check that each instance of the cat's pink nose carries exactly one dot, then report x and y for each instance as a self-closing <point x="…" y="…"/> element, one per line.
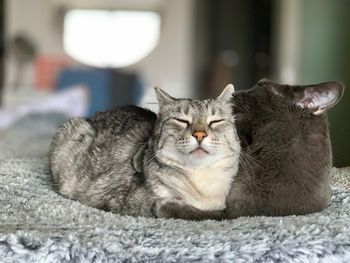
<point x="199" y="135"/>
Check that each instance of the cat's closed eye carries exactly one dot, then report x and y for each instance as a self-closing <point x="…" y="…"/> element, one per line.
<point x="215" y="123"/>
<point x="182" y="122"/>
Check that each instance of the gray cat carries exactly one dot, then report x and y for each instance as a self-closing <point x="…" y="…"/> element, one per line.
<point x="286" y="152"/>
<point x="129" y="161"/>
<point x="288" y="137"/>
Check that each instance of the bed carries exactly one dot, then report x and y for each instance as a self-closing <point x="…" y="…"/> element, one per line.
<point x="38" y="225"/>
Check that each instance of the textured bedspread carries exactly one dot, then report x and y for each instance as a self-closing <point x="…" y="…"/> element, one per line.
<point x="37" y="225"/>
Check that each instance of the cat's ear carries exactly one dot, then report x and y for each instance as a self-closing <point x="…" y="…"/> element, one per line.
<point x="320" y="97"/>
<point x="317" y="98"/>
<point x="226" y="94"/>
<point x="163" y="97"/>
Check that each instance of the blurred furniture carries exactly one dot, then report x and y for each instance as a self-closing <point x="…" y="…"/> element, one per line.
<point x="73" y="102"/>
<point x="108" y="88"/>
<point x="23" y="49"/>
<point x="47" y="68"/>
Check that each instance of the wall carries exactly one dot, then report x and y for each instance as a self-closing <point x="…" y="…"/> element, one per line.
<point x="287" y="30"/>
<point x="313" y="45"/>
<point x="326" y="56"/>
<point x="168" y="66"/>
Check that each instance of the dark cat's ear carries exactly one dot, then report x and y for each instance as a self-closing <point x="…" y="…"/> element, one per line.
<point x="163" y="97"/>
<point x="226" y="94"/>
<point x="319" y="98"/>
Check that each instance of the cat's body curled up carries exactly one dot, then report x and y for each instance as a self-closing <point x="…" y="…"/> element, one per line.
<point x="92" y="159"/>
<point x="127" y="160"/>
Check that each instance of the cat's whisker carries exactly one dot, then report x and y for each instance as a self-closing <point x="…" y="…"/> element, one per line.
<point x="245" y="166"/>
<point x="250" y="170"/>
<point x="147" y="162"/>
<point x="251" y="159"/>
<point x="243" y="153"/>
<point x="151" y="158"/>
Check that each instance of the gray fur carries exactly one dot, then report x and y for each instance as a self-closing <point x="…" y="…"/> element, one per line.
<point x="91" y="160"/>
<point x="128" y="161"/>
<point x="286" y="160"/>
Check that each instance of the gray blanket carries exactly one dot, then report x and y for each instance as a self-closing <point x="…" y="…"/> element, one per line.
<point x="37" y="225"/>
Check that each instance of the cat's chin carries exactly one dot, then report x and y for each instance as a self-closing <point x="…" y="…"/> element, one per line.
<point x="199" y="152"/>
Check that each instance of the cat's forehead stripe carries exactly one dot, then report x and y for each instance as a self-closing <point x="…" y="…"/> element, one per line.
<point x="213" y="111"/>
<point x="186" y="109"/>
<point x="209" y="106"/>
<point x="191" y="108"/>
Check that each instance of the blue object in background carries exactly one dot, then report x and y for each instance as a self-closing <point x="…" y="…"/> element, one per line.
<point x="108" y="88"/>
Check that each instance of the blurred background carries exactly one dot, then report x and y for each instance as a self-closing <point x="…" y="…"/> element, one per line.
<point x="83" y="56"/>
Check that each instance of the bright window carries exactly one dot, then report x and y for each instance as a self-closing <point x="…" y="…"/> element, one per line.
<point x="110" y="38"/>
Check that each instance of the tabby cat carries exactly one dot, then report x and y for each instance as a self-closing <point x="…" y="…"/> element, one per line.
<point x="129" y="161"/>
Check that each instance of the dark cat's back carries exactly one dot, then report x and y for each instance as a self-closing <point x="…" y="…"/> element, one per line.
<point x="288" y="154"/>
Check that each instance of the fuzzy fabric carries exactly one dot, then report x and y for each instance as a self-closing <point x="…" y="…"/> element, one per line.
<point x="38" y="225"/>
<point x="341" y="177"/>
